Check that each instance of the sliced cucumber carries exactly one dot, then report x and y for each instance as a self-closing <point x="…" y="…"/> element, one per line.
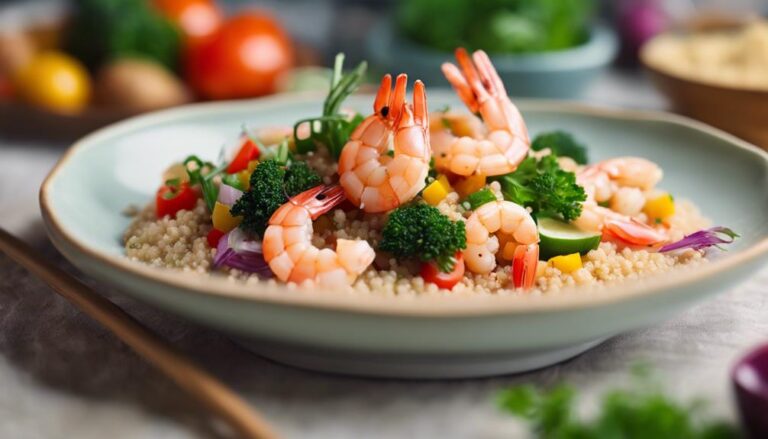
<point x="559" y="238"/>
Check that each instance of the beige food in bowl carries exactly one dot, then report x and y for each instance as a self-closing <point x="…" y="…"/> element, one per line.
<point x="731" y="58"/>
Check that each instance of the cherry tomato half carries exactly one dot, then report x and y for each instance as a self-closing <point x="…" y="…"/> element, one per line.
<point x="430" y="273"/>
<point x="247" y="152"/>
<point x="244" y="58"/>
<point x="173" y="198"/>
<point x="197" y="19"/>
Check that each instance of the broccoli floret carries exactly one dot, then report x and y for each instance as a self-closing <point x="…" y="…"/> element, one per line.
<point x="421" y="231"/>
<point x="271" y="184"/>
<point x="300" y="177"/>
<point x="544" y="187"/>
<point x="562" y="144"/>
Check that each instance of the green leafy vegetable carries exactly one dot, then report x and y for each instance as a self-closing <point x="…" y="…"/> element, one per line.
<point x="544" y="187"/>
<point x="271" y="185"/>
<point x="638" y="412"/>
<point x="562" y="144"/>
<point x="421" y="231"/>
<point x="480" y="197"/>
<point x="102" y="30"/>
<point x="498" y="26"/>
<point x="332" y="129"/>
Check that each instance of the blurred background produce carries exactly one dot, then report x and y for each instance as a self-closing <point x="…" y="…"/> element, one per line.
<point x="68" y="67"/>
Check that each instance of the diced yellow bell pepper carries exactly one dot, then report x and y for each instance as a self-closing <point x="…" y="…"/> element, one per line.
<point x="245" y="174"/>
<point x="660" y="208"/>
<point x="567" y="263"/>
<point x="436" y="191"/>
<point x="245" y="179"/>
<point x="443" y="179"/>
<point x="222" y="219"/>
<point x="470" y="185"/>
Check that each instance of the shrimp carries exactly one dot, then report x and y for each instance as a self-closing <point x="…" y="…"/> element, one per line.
<point x="508" y="218"/>
<point x="504" y="144"/>
<point x="603" y="179"/>
<point x="620" y="182"/>
<point x="288" y="248"/>
<point x="372" y="179"/>
<point x="617" y="227"/>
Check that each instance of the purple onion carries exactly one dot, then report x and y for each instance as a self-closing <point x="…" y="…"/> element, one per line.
<point x="703" y="239"/>
<point x="235" y="250"/>
<point x="641" y="20"/>
<point x="228" y="195"/>
<point x="750" y="384"/>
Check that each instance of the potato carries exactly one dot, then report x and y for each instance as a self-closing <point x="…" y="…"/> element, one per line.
<point x="16" y="50"/>
<point x="138" y="85"/>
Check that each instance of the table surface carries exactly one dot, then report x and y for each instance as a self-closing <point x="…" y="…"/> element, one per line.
<point x="62" y="375"/>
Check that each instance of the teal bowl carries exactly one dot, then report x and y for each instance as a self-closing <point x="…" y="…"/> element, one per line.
<point x="83" y="198"/>
<point x="561" y="74"/>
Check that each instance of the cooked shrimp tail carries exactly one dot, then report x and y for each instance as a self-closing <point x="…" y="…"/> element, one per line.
<point x="630" y="231"/>
<point x="524" y="262"/>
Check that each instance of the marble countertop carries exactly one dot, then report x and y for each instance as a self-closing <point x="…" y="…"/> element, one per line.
<point x="62" y="375"/>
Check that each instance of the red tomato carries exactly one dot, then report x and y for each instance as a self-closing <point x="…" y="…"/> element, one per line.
<point x="430" y="273"/>
<point x="247" y="152"/>
<point x="198" y="19"/>
<point x="214" y="236"/>
<point x="243" y="59"/>
<point x="173" y="198"/>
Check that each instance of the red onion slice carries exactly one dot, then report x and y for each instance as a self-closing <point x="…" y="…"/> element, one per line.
<point x="703" y="239"/>
<point x="236" y="251"/>
<point x="229" y="195"/>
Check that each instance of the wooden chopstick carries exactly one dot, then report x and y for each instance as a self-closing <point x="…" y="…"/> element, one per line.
<point x="198" y="383"/>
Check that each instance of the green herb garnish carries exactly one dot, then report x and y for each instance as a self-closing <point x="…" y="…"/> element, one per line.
<point x="638" y="412"/>
<point x="544" y="187"/>
<point x="480" y="197"/>
<point x="195" y="168"/>
<point x="332" y="129"/>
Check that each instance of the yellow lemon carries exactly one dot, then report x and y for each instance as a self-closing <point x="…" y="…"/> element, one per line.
<point x="55" y="81"/>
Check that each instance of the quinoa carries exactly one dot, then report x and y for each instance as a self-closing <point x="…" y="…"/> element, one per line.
<point x="171" y="242"/>
<point x="181" y="243"/>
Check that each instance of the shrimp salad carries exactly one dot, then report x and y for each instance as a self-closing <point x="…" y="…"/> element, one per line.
<point x="407" y="200"/>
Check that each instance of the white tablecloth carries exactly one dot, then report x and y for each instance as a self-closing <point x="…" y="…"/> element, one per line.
<point x="63" y="376"/>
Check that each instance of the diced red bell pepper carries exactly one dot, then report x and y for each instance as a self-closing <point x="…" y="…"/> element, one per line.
<point x="214" y="236"/>
<point x="248" y="151"/>
<point x="172" y="198"/>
